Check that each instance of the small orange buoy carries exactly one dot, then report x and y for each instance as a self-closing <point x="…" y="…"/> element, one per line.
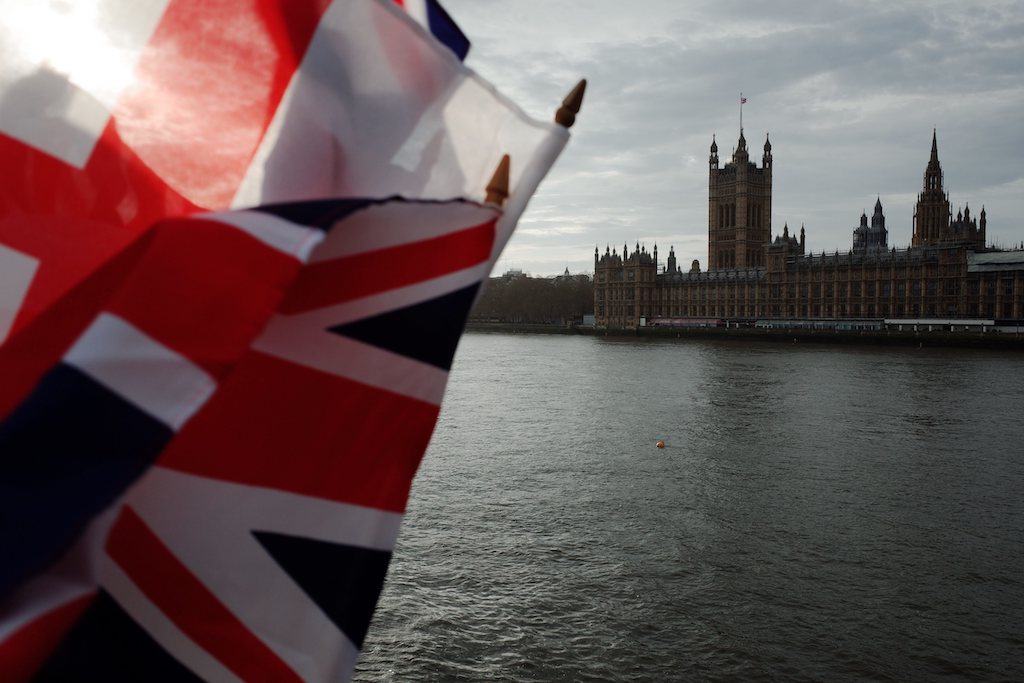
<point x="660" y="444"/>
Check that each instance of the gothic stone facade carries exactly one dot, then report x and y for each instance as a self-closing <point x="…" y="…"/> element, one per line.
<point x="947" y="272"/>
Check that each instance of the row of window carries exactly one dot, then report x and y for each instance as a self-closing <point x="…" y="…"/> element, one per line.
<point x="817" y="311"/>
<point x="932" y="287"/>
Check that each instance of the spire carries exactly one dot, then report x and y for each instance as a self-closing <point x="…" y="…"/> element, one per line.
<point x="933" y="172"/>
<point x="742" y="143"/>
<point x="714" y="144"/>
<point x="878" y="219"/>
<point x="767" y="144"/>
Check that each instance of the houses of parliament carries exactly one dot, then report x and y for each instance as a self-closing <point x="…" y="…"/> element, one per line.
<point x="948" y="272"/>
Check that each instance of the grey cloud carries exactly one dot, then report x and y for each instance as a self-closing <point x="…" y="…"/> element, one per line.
<point x="850" y="92"/>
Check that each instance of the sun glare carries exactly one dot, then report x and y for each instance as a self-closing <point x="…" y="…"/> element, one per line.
<point x="65" y="37"/>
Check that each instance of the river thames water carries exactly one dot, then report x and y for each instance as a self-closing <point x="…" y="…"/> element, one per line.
<point x="819" y="513"/>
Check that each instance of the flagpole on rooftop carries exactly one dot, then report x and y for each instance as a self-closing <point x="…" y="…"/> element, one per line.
<point x="741" y="112"/>
<point x="566" y="114"/>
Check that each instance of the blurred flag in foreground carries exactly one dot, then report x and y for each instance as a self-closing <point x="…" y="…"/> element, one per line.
<point x="212" y="477"/>
<point x="212" y="419"/>
<point x="116" y="113"/>
<point x="435" y="19"/>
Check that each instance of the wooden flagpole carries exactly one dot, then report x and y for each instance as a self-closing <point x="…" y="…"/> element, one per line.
<point x="566" y="114"/>
<point x="497" y="189"/>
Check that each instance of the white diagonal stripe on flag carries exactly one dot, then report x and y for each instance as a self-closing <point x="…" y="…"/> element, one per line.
<point x="213" y="502"/>
<point x="287" y="237"/>
<point x="213" y="537"/>
<point x="314" y="347"/>
<point x="144" y="372"/>
<point x="400" y="297"/>
<point x="399" y="223"/>
<point x="139" y="607"/>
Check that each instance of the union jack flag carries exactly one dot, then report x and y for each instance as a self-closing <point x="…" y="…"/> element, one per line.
<point x="118" y="113"/>
<point x="211" y="414"/>
<point x="175" y="464"/>
<point x="435" y="19"/>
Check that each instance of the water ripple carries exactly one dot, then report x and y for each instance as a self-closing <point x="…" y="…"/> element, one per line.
<point x="820" y="513"/>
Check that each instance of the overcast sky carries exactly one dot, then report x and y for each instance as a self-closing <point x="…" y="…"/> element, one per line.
<point x="848" y="90"/>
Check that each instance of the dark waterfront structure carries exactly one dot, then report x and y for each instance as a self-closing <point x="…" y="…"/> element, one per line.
<point x="947" y="273"/>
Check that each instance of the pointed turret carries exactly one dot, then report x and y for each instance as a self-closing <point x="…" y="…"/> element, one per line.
<point x="933" y="171"/>
<point x="740" y="155"/>
<point x="875" y="238"/>
<point x="932" y="211"/>
<point x="878" y="219"/>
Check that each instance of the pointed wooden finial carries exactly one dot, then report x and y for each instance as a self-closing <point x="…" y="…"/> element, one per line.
<point x="497" y="189"/>
<point x="566" y="114"/>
